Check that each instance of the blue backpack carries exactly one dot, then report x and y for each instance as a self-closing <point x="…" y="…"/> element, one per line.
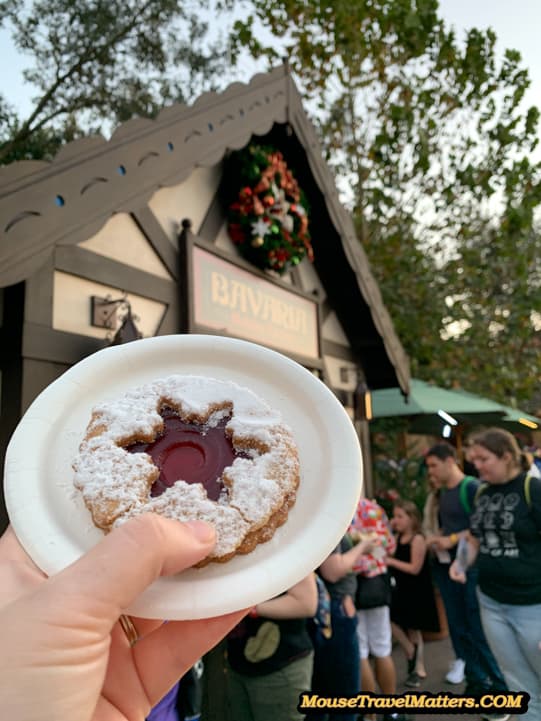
<point x="321" y="622"/>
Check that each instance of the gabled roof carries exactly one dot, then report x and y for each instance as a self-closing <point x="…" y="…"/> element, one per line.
<point x="46" y="204"/>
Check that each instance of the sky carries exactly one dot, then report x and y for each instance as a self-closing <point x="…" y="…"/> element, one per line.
<point x="517" y="25"/>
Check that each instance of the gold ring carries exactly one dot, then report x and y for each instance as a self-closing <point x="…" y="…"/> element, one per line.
<point x="129" y="629"/>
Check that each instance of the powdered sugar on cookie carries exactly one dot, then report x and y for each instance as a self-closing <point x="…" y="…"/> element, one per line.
<point x="259" y="486"/>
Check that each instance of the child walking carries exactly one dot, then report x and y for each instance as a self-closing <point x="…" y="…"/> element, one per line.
<point x="413" y="607"/>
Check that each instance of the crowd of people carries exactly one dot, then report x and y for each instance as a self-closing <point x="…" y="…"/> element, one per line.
<point x="382" y="581"/>
<point x="477" y="540"/>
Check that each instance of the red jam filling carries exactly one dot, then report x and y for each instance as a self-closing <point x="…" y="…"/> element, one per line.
<point x="188" y="452"/>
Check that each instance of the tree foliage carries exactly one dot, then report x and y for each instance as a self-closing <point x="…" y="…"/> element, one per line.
<point x="95" y="63"/>
<point x="427" y="133"/>
<point x="429" y="139"/>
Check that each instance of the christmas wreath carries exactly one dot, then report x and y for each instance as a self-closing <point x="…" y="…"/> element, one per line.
<point x="269" y="219"/>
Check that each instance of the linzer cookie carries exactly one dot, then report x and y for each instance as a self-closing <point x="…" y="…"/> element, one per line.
<point x="190" y="447"/>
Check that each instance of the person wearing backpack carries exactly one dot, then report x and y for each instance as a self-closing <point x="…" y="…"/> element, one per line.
<point x="457" y="496"/>
<point x="506" y="540"/>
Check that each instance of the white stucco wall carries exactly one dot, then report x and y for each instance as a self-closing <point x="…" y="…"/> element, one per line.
<point x="72" y="306"/>
<point x="190" y="199"/>
<point x="120" y="239"/>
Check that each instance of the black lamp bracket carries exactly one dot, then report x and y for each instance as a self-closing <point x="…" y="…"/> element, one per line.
<point x="108" y="312"/>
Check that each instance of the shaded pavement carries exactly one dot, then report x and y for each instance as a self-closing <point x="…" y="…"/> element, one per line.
<point x="438" y="656"/>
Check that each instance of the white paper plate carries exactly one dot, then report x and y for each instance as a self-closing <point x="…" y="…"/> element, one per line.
<point x="54" y="526"/>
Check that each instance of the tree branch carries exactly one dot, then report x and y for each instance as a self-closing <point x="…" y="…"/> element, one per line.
<point x="28" y="127"/>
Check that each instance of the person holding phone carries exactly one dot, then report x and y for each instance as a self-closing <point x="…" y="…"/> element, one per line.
<point x="505" y="542"/>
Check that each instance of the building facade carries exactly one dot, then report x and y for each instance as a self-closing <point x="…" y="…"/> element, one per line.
<point x="142" y="219"/>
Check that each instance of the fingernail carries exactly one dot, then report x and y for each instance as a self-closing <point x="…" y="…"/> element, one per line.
<point x="203" y="531"/>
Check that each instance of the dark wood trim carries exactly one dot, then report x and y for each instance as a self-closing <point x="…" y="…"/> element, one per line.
<point x="213" y="220"/>
<point x="43" y="343"/>
<point x="319" y="320"/>
<point x="91" y="266"/>
<point x="10" y="357"/>
<point x="37" y="375"/>
<point x="336" y="350"/>
<point x="157" y="237"/>
<point x="169" y="323"/>
<point x="185" y="285"/>
<point x="11" y="376"/>
<point x="161" y="322"/>
<point x="326" y="309"/>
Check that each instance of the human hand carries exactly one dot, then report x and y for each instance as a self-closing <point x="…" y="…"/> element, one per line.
<point x="457" y="573"/>
<point x="441" y="543"/>
<point x="365" y="548"/>
<point x="65" y="657"/>
<point x="354" y="535"/>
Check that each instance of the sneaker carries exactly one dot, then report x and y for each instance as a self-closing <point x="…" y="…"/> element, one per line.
<point x="413" y="680"/>
<point x="456" y="671"/>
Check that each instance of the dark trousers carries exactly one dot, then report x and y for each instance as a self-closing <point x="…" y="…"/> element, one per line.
<point x="464" y="620"/>
<point x="336" y="662"/>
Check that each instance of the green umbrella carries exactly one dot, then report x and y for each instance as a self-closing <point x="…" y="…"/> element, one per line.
<point x="515" y="420"/>
<point x="428" y="399"/>
<point x="430" y="408"/>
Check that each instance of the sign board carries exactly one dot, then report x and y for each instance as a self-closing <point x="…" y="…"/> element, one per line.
<point x="235" y="302"/>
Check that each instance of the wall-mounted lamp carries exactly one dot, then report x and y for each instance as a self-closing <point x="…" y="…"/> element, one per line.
<point x="104" y="311"/>
<point x="363" y="402"/>
<point x="109" y="313"/>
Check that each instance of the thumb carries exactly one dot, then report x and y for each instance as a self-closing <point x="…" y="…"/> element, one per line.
<point x="119" y="568"/>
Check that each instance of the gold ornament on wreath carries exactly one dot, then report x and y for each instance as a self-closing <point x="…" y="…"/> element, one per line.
<point x="268" y="221"/>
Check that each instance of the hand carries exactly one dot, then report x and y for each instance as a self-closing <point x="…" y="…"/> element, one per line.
<point x="441" y="543"/>
<point x="365" y="548"/>
<point x="456" y="573"/>
<point x="355" y="535"/>
<point x="63" y="654"/>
